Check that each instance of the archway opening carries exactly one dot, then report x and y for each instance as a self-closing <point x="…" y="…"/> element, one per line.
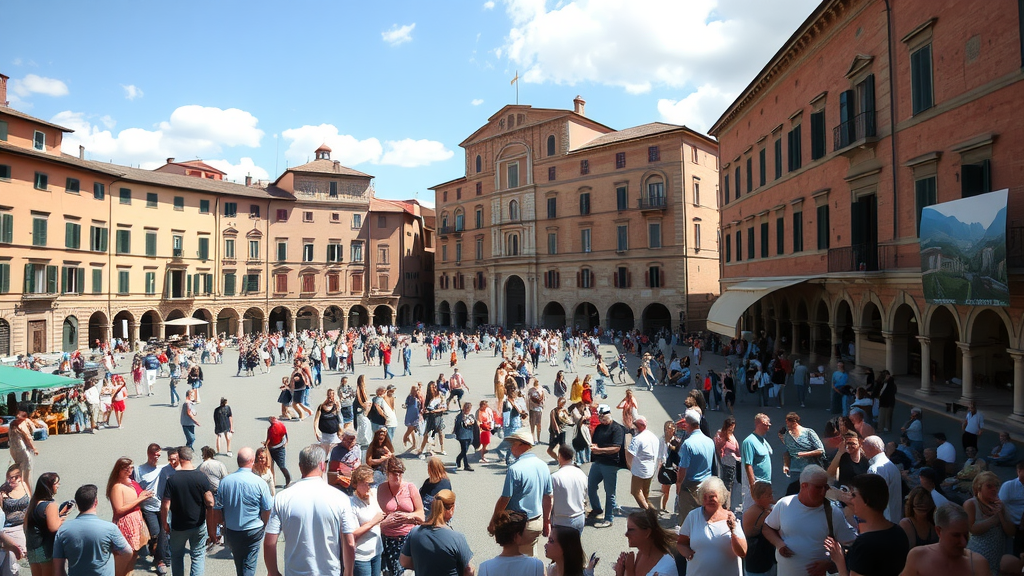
<point x="280" y="319"/>
<point x="461" y="313"/>
<point x="480" y="316"/>
<point x="444" y="314"/>
<point x="227" y="322"/>
<point x="174" y="330"/>
<point x="307" y="318"/>
<point x="872" y="344"/>
<point x="334" y="318"/>
<point x="992" y="366"/>
<point x="124" y="326"/>
<point x="515" y="302"/>
<point x="419" y="313"/>
<point x="358" y="316"/>
<point x="403" y="315"/>
<point x="655" y="317"/>
<point x="69" y="335"/>
<point x="586" y="316"/>
<point x="252" y="321"/>
<point x="97" y="330"/>
<point x="620" y="317"/>
<point x="554" y="316"/>
<point x="906" y="348"/>
<point x="148" y="325"/>
<point x="822" y="333"/>
<point x="202" y="329"/>
<point x="383" y="316"/>
<point x="945" y="355"/>
<point x="844" y="328"/>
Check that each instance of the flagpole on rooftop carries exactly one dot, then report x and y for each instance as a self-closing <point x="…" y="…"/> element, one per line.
<point x="515" y="81"/>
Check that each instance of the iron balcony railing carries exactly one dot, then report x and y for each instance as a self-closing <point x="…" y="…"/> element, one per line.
<point x="653" y="203"/>
<point x="861" y="127"/>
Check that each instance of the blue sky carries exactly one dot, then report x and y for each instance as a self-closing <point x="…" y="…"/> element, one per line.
<point x="392" y="87"/>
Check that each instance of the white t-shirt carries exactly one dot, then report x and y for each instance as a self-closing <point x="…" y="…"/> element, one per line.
<point x="312" y="516"/>
<point x="665" y="567"/>
<point x="804" y="531"/>
<point x="521" y="565"/>
<point x="1011" y="494"/>
<point x="569" y="494"/>
<point x="712" y="545"/>
<point x="946" y="452"/>
<point x="644" y="449"/>
<point x="369" y="544"/>
<point x="882" y="466"/>
<point x="975" y="422"/>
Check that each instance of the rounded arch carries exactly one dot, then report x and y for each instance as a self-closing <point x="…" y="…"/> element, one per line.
<point x="620" y="317"/>
<point x="480" y="314"/>
<point x="586" y="316"/>
<point x="334" y="318"/>
<point x="974" y="328"/>
<point x="227" y="322"/>
<point x="444" y="221"/>
<point x="404" y="312"/>
<point x="252" y="321"/>
<point x="307" y="318"/>
<point x="461" y="315"/>
<point x="551" y="145"/>
<point x="5" y="337"/>
<point x="149" y="325"/>
<point x="460" y="219"/>
<point x="939" y="311"/>
<point x="553" y="316"/>
<point x="515" y="302"/>
<point x="202" y="329"/>
<point x="871" y="299"/>
<point x="990" y="333"/>
<point x="871" y="320"/>
<point x="444" y="314"/>
<point x="383" y="315"/>
<point x="906" y="348"/>
<point x="514" y="212"/>
<point x="280" y="319"/>
<point x="654" y="186"/>
<point x="97" y="329"/>
<point x="902" y="299"/>
<point x="843" y="322"/>
<point x="512" y="246"/>
<point x="124" y="325"/>
<point x="174" y="330"/>
<point x="655" y="317"/>
<point x="942" y="326"/>
<point x="358" y="316"/>
<point x="69" y="334"/>
<point x="479" y="163"/>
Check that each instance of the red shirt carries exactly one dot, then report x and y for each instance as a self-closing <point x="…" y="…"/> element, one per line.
<point x="276" y="434"/>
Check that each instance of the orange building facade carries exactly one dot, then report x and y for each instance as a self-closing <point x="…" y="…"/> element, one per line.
<point x="863" y="118"/>
<point x="560" y="220"/>
<point x="90" y="251"/>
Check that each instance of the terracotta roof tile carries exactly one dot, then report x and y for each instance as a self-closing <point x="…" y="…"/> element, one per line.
<point x="322" y="166"/>
<point x="17" y="114"/>
<point x="640" y="131"/>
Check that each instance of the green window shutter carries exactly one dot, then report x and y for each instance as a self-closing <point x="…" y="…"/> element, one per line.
<point x="204" y="206"/>
<point x="51" y="279"/>
<point x="150" y="244"/>
<point x="80" y="285"/>
<point x="63" y="279"/>
<point x="104" y="234"/>
<point x="150" y="282"/>
<point x="167" y="285"/>
<point x="78" y="236"/>
<point x="204" y="248"/>
<point x="229" y="284"/>
<point x="39" y="232"/>
<point x="30" y="279"/>
<point x="188" y="283"/>
<point x="282" y="252"/>
<point x="122" y="281"/>
<point x="7" y="228"/>
<point x="69" y="235"/>
<point x="5" y="278"/>
<point x="209" y="284"/>
<point x="97" y="280"/>
<point x="195" y="283"/>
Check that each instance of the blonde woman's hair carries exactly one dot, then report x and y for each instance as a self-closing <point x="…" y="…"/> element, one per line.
<point x="443" y="500"/>
<point x="435" y="469"/>
<point x="982" y="480"/>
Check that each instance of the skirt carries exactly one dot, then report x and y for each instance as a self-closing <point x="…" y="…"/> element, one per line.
<point x="117" y="405"/>
<point x="390" y="563"/>
<point x="134" y="529"/>
<point x="485" y="438"/>
<point x="285" y="397"/>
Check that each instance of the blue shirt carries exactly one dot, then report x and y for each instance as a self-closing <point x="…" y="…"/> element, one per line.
<point x="839" y="379"/>
<point x="242" y="495"/>
<point x="527" y="481"/>
<point x="756" y="452"/>
<point x="87" y="543"/>
<point x="696" y="455"/>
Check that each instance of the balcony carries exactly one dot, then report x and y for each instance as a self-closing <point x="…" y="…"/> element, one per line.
<point x="855" y="133"/>
<point x="653" y="203"/>
<point x="868" y="258"/>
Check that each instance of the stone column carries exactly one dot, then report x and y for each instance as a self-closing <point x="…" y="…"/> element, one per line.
<point x="266" y="325"/>
<point x="858" y="334"/>
<point x="1018" y="384"/>
<point x="291" y="323"/>
<point x="321" y="323"/>
<point x="890" y="351"/>
<point x="968" y="372"/>
<point x="926" y="365"/>
<point x="812" y="357"/>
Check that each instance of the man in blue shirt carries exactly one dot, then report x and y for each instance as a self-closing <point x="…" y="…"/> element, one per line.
<point x="243" y="504"/>
<point x="87" y="542"/>
<point x="151" y="476"/>
<point x="756" y="457"/>
<point x="527" y="489"/>
<point x="840" y="397"/>
<point x="695" y="457"/>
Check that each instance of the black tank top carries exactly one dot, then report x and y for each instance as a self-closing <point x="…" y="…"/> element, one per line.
<point x="330" y="422"/>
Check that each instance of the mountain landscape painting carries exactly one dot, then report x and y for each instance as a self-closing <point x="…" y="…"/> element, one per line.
<point x="963" y="251"/>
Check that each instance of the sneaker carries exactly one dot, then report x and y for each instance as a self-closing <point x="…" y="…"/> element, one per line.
<point x="229" y="454"/>
<point x="161" y="568"/>
<point x="604" y="524"/>
<point x="442" y="453"/>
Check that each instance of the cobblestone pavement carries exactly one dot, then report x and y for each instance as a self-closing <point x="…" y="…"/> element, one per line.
<point x="88" y="458"/>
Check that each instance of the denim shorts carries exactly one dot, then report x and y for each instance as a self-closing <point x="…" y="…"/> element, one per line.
<point x="38" y="556"/>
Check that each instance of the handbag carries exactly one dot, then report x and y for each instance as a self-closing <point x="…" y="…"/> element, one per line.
<point x="667" y="475"/>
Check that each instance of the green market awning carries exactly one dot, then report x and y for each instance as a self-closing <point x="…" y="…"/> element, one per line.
<point x="21" y="379"/>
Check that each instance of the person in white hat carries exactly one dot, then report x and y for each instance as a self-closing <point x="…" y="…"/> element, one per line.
<point x="606" y="443"/>
<point x="527" y="489"/>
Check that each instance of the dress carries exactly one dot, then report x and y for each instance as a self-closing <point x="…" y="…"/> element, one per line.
<point x="132" y="526"/>
<point x="712" y="546"/>
<point x="412" y="411"/>
<point x="990" y="544"/>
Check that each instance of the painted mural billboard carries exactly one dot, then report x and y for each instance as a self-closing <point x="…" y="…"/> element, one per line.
<point x="963" y="251"/>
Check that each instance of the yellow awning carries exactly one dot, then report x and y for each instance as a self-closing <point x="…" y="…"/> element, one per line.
<point x="726" y="311"/>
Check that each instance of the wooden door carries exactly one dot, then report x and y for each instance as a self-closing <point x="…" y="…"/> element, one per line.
<point x="37" y="337"/>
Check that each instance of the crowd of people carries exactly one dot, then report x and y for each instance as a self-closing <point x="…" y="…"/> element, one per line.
<point x="853" y="503"/>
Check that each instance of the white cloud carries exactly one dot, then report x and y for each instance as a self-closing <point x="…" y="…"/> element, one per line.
<point x="716" y="45"/>
<point x="409" y="153"/>
<point x="699" y="109"/>
<point x="488" y="5"/>
<point x="191" y="132"/>
<point x="238" y="172"/>
<point x="131" y="91"/>
<point x="351" y="151"/>
<point x="477" y="101"/>
<point x="397" y="35"/>
<point x="33" y="84"/>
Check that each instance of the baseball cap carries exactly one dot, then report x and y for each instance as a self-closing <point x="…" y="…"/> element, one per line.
<point x="604" y="409"/>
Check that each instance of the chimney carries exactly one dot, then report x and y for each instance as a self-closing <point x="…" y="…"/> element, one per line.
<point x="170" y="160"/>
<point x="248" y="180"/>
<point x="81" y="152"/>
<point x="578" y="104"/>
<point x="3" y="91"/>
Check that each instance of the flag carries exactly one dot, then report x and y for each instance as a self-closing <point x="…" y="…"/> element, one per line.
<point x="516" y="79"/>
